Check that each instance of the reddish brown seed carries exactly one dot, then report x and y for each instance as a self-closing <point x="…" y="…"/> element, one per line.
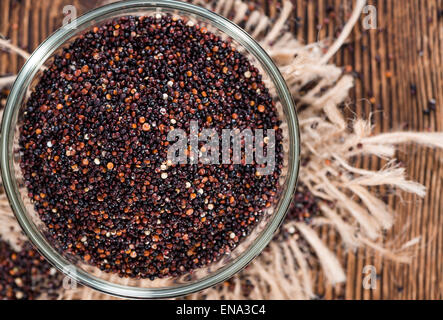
<point x="110" y="166"/>
<point x="146" y="127"/>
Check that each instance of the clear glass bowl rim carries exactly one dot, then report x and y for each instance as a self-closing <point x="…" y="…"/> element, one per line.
<point x="23" y="80"/>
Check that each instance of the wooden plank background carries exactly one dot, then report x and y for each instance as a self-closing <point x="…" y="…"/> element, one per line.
<point x="404" y="53"/>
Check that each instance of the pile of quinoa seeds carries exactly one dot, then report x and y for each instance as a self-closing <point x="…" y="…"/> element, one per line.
<point x="94" y="147"/>
<point x="26" y="275"/>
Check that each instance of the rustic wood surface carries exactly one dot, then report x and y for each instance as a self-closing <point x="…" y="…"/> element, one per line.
<point x="406" y="51"/>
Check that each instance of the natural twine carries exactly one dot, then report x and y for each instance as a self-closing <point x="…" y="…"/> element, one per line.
<point x="328" y="142"/>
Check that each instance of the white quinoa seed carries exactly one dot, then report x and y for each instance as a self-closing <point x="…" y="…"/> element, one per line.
<point x="18" y="281"/>
<point x="164" y="175"/>
<point x="232" y="235"/>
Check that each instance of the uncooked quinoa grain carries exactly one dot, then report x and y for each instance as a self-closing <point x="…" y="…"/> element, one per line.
<point x="3" y="97"/>
<point x="304" y="208"/>
<point x="26" y="274"/>
<point x="94" y="147"/>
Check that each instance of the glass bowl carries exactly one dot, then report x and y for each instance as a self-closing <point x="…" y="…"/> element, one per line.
<point x="91" y="276"/>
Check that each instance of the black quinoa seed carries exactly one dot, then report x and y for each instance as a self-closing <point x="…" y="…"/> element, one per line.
<point x="26" y="275"/>
<point x="3" y="97"/>
<point x="304" y="208"/>
<point x="94" y="146"/>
